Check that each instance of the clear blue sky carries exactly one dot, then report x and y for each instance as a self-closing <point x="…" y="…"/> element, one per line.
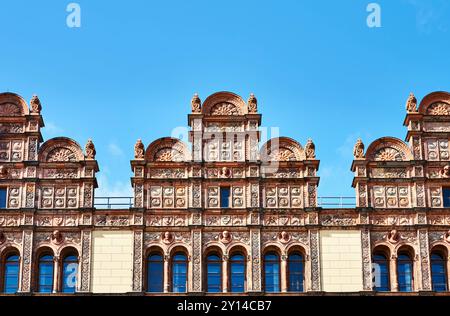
<point x="131" y="69"/>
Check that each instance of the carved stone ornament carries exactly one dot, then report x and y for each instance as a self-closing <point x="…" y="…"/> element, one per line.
<point x="310" y="150"/>
<point x="252" y="104"/>
<point x="447" y="236"/>
<point x="445" y="172"/>
<point x="393" y="237"/>
<point x="3" y="172"/>
<point x="139" y="150"/>
<point x="358" y="150"/>
<point x="411" y="104"/>
<point x="57" y="237"/>
<point x="225" y="237"/>
<point x="225" y="172"/>
<point x="196" y="104"/>
<point x="35" y="104"/>
<point x="90" y="150"/>
<point x="167" y="238"/>
<point x="2" y="238"/>
<point x="284" y="237"/>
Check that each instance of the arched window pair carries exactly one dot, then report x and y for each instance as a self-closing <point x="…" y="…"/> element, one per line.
<point x="68" y="271"/>
<point x="405" y="271"/>
<point x="295" y="274"/>
<point x="178" y="272"/>
<point x="236" y="273"/>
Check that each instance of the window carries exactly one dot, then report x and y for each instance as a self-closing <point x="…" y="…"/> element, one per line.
<point x="214" y="273"/>
<point x="69" y="274"/>
<point x="381" y="272"/>
<point x="225" y="197"/>
<point x="45" y="274"/>
<point x="155" y="273"/>
<point x="446" y="195"/>
<point x="179" y="273"/>
<point x="405" y="272"/>
<point x="438" y="272"/>
<point x="272" y="272"/>
<point x="296" y="270"/>
<point x="2" y="198"/>
<point x="237" y="273"/>
<point x="11" y="274"/>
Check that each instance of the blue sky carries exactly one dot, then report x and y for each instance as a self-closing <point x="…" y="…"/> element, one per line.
<point x="316" y="68"/>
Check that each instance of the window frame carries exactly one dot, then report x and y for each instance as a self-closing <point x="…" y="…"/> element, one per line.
<point x="264" y="273"/>
<point x="288" y="272"/>
<point x="444" y="261"/>
<point x="186" y="263"/>
<point x="38" y="271"/>
<point x="206" y="276"/>
<point x="4" y="189"/>
<point x="69" y="253"/>
<point x="147" y="266"/>
<point x="446" y="200"/>
<point x="385" y="254"/>
<point x="404" y="261"/>
<point x="7" y="254"/>
<point x="223" y="188"/>
<point x="230" y="275"/>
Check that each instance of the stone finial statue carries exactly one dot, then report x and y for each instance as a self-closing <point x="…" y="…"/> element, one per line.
<point x="139" y="150"/>
<point x="358" y="150"/>
<point x="196" y="104"/>
<point x="252" y="104"/>
<point x="411" y="104"/>
<point x="310" y="150"/>
<point x="90" y="150"/>
<point x="35" y="104"/>
<point x="3" y="172"/>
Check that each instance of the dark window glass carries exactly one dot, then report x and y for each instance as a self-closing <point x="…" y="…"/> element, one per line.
<point x="69" y="274"/>
<point x="11" y="281"/>
<point x="438" y="272"/>
<point x="214" y="271"/>
<point x="237" y="273"/>
<point x="155" y="273"/>
<point x="225" y="197"/>
<point x="446" y="194"/>
<point x="296" y="270"/>
<point x="179" y="273"/>
<point x="381" y="273"/>
<point x="405" y="273"/>
<point x="272" y="272"/>
<point x="2" y="198"/>
<point x="45" y="278"/>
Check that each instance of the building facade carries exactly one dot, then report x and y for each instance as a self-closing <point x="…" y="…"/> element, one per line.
<point x="226" y="214"/>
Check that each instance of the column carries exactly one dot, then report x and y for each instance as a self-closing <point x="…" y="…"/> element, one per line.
<point x="166" y="274"/>
<point x="196" y="261"/>
<point x="284" y="283"/>
<point x="26" y="262"/>
<point x="393" y="273"/>
<point x="55" y="274"/>
<point x="225" y="274"/>
<point x="137" y="261"/>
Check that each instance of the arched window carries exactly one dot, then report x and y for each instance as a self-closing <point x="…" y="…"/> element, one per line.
<point x="155" y="273"/>
<point x="45" y="274"/>
<point x="405" y="272"/>
<point x="296" y="272"/>
<point x="380" y="272"/>
<point x="438" y="272"/>
<point x="179" y="273"/>
<point x="69" y="273"/>
<point x="272" y="272"/>
<point x="237" y="273"/>
<point x="11" y="274"/>
<point x="214" y="273"/>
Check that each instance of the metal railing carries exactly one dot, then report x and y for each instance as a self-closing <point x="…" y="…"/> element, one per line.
<point x="116" y="202"/>
<point x="113" y="202"/>
<point x="336" y="202"/>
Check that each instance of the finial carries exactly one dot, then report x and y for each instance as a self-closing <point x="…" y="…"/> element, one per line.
<point x="35" y="104"/>
<point x="252" y="104"/>
<point x="411" y="104"/>
<point x="196" y="104"/>
<point x="358" y="149"/>
<point x="90" y="149"/>
<point x="139" y="150"/>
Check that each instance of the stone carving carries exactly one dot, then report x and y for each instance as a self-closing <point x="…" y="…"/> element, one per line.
<point x="225" y="237"/>
<point x="284" y="237"/>
<point x="85" y="261"/>
<point x="424" y="259"/>
<point x="310" y="150"/>
<point x="256" y="259"/>
<point x="196" y="104"/>
<point x="137" y="261"/>
<point x="197" y="264"/>
<point x="225" y="108"/>
<point x="358" y="150"/>
<point x="26" y="259"/>
<point x="90" y="150"/>
<point x="169" y="155"/>
<point x="389" y="173"/>
<point x="439" y="108"/>
<point x="57" y="237"/>
<point x="175" y="173"/>
<point x="3" y="172"/>
<point x="35" y="104"/>
<point x="393" y="237"/>
<point x="61" y="155"/>
<point x="252" y="104"/>
<point x="10" y="109"/>
<point x="11" y="128"/>
<point x="315" y="261"/>
<point x="167" y="238"/>
<point x="411" y="104"/>
<point x="445" y="172"/>
<point x="338" y="220"/>
<point x="388" y="154"/>
<point x="367" y="260"/>
<point x="139" y="150"/>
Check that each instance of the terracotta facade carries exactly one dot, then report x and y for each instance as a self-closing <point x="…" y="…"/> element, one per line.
<point x="227" y="193"/>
